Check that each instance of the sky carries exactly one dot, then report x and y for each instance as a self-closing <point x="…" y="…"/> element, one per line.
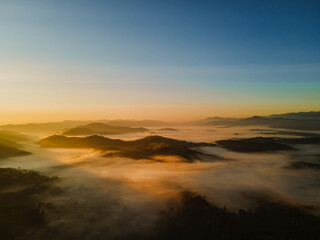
<point x="167" y="60"/>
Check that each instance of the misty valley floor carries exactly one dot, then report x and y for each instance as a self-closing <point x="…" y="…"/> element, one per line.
<point x="186" y="182"/>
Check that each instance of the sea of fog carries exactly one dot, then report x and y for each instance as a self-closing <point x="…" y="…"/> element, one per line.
<point x="105" y="193"/>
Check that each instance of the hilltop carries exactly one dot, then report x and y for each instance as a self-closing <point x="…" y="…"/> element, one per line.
<point x="144" y="148"/>
<point x="102" y="129"/>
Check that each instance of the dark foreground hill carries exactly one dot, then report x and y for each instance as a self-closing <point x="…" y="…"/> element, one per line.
<point x="144" y="148"/>
<point x="102" y="129"/>
<point x="195" y="218"/>
<point x="22" y="216"/>
<point x="25" y="214"/>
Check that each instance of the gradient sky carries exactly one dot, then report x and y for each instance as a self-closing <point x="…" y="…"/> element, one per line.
<point x="172" y="60"/>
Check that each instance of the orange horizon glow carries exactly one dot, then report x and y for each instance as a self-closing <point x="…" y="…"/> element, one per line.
<point x="182" y="113"/>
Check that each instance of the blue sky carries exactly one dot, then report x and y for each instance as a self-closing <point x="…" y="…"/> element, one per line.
<point x="263" y="50"/>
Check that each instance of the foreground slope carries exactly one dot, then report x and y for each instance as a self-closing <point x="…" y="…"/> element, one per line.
<point x="22" y="215"/>
<point x="195" y="218"/>
<point x="10" y="149"/>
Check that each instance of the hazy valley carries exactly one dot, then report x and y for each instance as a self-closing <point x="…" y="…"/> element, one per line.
<point x="182" y="173"/>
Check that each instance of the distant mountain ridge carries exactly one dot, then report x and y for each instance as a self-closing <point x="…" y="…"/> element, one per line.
<point x="68" y="124"/>
<point x="102" y="129"/>
<point x="306" y="121"/>
<point x="294" y="121"/>
<point x="137" y="123"/>
<point x="42" y="127"/>
<point x="299" y="115"/>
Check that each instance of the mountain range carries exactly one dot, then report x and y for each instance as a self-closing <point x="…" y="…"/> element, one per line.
<point x="306" y="124"/>
<point x="294" y="121"/>
<point x="101" y="129"/>
<point x="144" y="148"/>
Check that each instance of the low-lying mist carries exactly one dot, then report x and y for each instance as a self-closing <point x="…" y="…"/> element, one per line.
<point x="114" y="197"/>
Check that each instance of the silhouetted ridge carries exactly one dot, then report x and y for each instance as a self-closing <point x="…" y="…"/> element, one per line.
<point x="284" y="132"/>
<point x="262" y="144"/>
<point x="299" y="115"/>
<point x="103" y="129"/>
<point x="305" y="165"/>
<point x="257" y="118"/>
<point x="169" y="129"/>
<point x="274" y="121"/>
<point x="258" y="144"/>
<point x="144" y="148"/>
